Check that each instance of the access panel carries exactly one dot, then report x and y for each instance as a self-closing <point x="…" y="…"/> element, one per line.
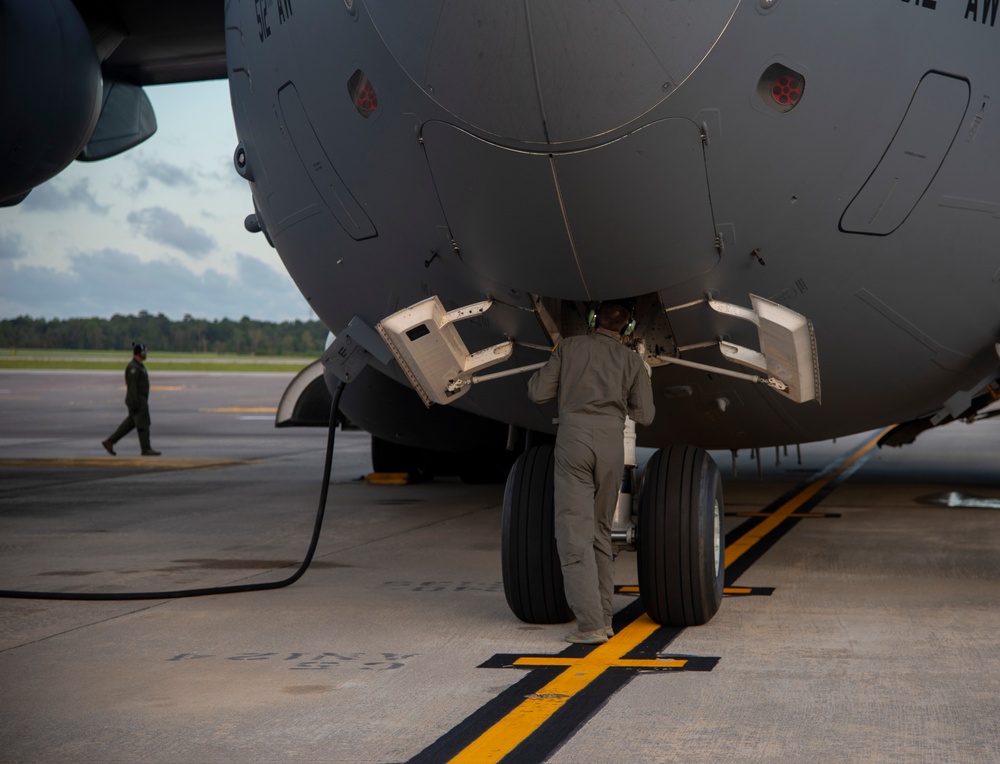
<point x="912" y="159"/>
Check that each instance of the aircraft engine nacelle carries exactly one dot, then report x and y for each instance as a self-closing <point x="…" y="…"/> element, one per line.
<point x="50" y="92"/>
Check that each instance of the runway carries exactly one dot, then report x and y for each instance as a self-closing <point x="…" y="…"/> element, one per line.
<point x="860" y="622"/>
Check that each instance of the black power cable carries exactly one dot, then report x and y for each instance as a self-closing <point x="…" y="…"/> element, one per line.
<point x="320" y="511"/>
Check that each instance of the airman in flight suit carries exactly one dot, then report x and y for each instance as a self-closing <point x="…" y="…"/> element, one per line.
<point x="137" y="402"/>
<point x="597" y="381"/>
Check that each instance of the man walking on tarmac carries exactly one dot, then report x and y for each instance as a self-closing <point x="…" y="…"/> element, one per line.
<point x="137" y="401"/>
<point x="598" y="381"/>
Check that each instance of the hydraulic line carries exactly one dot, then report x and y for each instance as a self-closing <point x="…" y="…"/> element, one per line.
<point x="317" y="526"/>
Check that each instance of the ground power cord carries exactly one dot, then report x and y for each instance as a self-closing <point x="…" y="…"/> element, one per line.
<point x="235" y="589"/>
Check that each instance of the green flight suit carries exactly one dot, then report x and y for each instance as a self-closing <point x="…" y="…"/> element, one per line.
<point x="597" y="382"/>
<point x="137" y="402"/>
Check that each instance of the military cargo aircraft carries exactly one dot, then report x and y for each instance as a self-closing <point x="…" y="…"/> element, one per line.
<point x="799" y="202"/>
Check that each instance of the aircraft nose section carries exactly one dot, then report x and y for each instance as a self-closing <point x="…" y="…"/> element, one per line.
<point x="562" y="224"/>
<point x="552" y="72"/>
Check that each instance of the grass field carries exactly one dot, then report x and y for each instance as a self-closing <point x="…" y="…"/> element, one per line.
<point x="105" y="360"/>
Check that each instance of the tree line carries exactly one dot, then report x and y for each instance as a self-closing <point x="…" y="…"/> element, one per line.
<point x="192" y="335"/>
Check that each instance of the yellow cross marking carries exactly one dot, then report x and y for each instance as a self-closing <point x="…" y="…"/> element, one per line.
<point x="508" y="733"/>
<point x="790" y="517"/>
<point x="504" y="736"/>
<point x="726" y="590"/>
<point x="586" y="662"/>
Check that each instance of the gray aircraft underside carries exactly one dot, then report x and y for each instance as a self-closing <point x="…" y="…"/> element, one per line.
<point x="583" y="152"/>
<point x="838" y="159"/>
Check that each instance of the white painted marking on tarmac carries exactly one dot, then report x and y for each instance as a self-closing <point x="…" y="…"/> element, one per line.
<point x="955" y="499"/>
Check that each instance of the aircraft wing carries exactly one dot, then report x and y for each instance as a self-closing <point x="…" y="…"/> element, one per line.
<point x="154" y="43"/>
<point x="80" y="68"/>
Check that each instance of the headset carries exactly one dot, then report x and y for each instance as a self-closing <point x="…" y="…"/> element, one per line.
<point x="629" y="327"/>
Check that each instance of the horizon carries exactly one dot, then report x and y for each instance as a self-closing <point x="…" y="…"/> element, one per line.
<point x="187" y="317"/>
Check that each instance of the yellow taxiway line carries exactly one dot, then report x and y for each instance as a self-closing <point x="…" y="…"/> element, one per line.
<point x="737" y="549"/>
<point x="504" y="736"/>
<point x="513" y="729"/>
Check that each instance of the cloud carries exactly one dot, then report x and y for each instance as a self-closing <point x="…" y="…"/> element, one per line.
<point x="50" y="197"/>
<point x="168" y="174"/>
<point x="108" y="281"/>
<point x="165" y="227"/>
<point x="11" y="247"/>
<point x="255" y="274"/>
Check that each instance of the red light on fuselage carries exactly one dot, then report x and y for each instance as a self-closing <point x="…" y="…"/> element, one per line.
<point x="787" y="90"/>
<point x="363" y="94"/>
<point x="781" y="88"/>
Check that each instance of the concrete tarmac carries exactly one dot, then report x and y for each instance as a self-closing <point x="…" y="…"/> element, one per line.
<point x="862" y="626"/>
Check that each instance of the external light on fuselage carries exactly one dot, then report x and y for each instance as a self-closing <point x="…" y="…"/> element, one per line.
<point x="781" y="88"/>
<point x="363" y="94"/>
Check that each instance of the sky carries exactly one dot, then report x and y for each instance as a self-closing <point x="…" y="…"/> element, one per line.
<point x="157" y="228"/>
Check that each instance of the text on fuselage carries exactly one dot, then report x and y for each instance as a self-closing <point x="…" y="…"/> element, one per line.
<point x="266" y="13"/>
<point x="983" y="11"/>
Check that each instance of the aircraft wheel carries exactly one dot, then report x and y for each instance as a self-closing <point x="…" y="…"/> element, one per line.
<point x="532" y="576"/>
<point x="680" y="552"/>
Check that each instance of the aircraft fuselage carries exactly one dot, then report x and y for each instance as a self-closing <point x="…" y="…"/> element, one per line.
<point x="837" y="158"/>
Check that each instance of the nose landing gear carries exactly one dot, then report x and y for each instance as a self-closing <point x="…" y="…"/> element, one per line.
<point x="678" y="539"/>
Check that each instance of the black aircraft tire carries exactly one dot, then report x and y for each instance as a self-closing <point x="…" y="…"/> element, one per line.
<point x="680" y="546"/>
<point x="532" y="576"/>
